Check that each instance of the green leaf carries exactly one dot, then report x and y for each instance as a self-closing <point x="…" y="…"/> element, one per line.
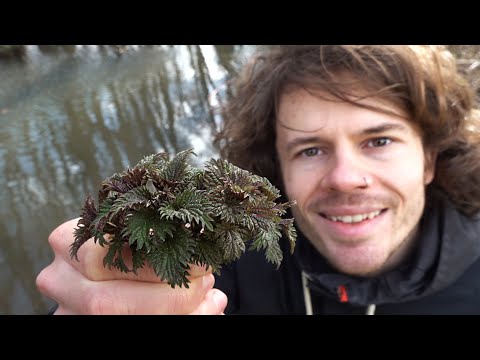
<point x="288" y="230"/>
<point x="188" y="207"/>
<point x="207" y="252"/>
<point x="231" y="241"/>
<point x="176" y="169"/>
<point x="103" y="215"/>
<point x="114" y="257"/>
<point x="170" y="259"/>
<point x="131" y="200"/>
<point x="171" y="215"/>
<point x="145" y="228"/>
<point x="153" y="162"/>
<point x="268" y="240"/>
<point x="138" y="231"/>
<point x="138" y="260"/>
<point x="267" y="189"/>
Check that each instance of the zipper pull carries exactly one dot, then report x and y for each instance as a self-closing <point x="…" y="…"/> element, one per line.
<point x="342" y="293"/>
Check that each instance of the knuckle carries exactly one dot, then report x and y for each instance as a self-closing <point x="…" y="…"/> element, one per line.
<point x="58" y="237"/>
<point x="54" y="239"/>
<point x="43" y="282"/>
<point x="48" y="281"/>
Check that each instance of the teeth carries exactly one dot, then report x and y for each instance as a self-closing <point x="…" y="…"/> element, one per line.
<point x="354" y="218"/>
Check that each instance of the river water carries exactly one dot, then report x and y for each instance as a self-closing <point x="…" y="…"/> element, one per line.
<point x="71" y="116"/>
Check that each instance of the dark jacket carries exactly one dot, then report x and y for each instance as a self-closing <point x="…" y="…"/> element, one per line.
<point x="442" y="276"/>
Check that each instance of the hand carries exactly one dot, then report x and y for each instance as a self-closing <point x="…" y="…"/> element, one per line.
<point x="87" y="287"/>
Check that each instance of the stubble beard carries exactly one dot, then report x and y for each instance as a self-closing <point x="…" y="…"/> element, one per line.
<point x="375" y="259"/>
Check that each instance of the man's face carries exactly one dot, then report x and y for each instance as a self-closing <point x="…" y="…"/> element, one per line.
<point x="328" y="151"/>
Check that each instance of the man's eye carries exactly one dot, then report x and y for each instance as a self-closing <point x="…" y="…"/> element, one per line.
<point x="379" y="142"/>
<point x="310" y="152"/>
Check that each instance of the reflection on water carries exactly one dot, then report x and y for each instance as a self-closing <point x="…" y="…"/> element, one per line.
<point x="71" y="116"/>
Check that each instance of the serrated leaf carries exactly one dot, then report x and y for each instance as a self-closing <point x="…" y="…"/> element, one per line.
<point x="231" y="241"/>
<point x="288" y="230"/>
<point x="188" y="206"/>
<point x="172" y="215"/>
<point x="114" y="257"/>
<point x="207" y="253"/>
<point x="138" y="260"/>
<point x="130" y="200"/>
<point x="145" y="228"/>
<point x="153" y="161"/>
<point x="268" y="240"/>
<point x="170" y="259"/>
<point x="176" y="168"/>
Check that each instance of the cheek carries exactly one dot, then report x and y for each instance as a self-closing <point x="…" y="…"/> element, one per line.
<point x="288" y="179"/>
<point x="299" y="186"/>
<point x="290" y="186"/>
<point x="406" y="181"/>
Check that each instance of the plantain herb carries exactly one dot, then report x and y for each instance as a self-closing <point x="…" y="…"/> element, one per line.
<point x="171" y="214"/>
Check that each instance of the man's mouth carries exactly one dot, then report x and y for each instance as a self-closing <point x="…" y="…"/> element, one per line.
<point x="353" y="218"/>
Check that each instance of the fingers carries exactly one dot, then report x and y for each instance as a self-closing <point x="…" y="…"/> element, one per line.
<point x="75" y="287"/>
<point x="90" y="258"/>
<point x="78" y="295"/>
<point x="214" y="303"/>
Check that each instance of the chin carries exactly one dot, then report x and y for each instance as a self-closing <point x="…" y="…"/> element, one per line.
<point x="363" y="269"/>
<point x="363" y="272"/>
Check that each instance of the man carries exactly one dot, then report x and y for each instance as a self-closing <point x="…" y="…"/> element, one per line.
<point x="379" y="147"/>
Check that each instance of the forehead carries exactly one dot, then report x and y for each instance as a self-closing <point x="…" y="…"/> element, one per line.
<point x="307" y="111"/>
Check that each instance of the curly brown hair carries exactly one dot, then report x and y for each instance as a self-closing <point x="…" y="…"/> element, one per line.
<point x="421" y="80"/>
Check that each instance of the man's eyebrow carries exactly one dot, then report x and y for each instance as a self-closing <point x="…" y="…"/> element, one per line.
<point x="383" y="128"/>
<point x="301" y="141"/>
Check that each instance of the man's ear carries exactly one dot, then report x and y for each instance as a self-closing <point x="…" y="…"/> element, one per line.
<point x="430" y="165"/>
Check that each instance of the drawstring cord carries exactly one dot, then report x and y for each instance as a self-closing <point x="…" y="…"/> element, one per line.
<point x="306" y="294"/>
<point x="371" y="309"/>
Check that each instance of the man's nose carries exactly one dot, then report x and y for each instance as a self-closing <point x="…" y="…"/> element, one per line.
<point x="346" y="173"/>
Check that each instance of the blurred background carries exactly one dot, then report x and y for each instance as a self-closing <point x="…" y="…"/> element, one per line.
<point x="72" y="115"/>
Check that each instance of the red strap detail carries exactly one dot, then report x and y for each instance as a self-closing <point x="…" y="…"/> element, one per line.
<point x="342" y="294"/>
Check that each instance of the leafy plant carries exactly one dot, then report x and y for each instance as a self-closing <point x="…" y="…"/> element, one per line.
<point x="172" y="215"/>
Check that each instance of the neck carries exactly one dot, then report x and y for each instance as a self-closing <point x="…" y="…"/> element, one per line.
<point x="399" y="255"/>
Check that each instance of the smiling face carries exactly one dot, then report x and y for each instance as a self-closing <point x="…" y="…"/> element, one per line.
<point x="358" y="177"/>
